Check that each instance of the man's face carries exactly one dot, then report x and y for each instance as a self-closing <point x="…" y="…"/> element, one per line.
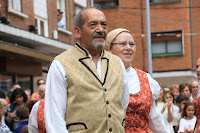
<point x="198" y="69"/>
<point x="94" y="29"/>
<point x="125" y="52"/>
<point x="195" y="87"/>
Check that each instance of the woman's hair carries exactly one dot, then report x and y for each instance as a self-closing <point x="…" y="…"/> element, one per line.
<point x="3" y="103"/>
<point x="185" y="107"/>
<point x="183" y="85"/>
<point x="174" y="87"/>
<point x="18" y="92"/>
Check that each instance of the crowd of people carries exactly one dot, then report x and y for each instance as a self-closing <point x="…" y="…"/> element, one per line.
<point x="176" y="105"/>
<point x="93" y="89"/>
<point x="15" y="107"/>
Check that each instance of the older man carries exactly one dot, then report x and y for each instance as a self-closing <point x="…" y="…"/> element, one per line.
<point x="86" y="88"/>
<point x="195" y="89"/>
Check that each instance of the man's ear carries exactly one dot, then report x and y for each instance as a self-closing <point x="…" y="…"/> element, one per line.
<point x="77" y="32"/>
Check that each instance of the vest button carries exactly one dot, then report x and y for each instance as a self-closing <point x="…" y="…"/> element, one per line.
<point x="137" y="112"/>
<point x="131" y="111"/>
<point x="110" y="129"/>
<point x="107" y="102"/>
<point x="136" y="126"/>
<point x="105" y="89"/>
<point x="109" y="115"/>
<point x="130" y="125"/>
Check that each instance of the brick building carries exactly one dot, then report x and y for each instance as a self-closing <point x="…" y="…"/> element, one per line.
<point x="175" y="35"/>
<point x="30" y="38"/>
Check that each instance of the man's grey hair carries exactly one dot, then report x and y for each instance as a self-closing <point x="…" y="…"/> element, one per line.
<point x="78" y="19"/>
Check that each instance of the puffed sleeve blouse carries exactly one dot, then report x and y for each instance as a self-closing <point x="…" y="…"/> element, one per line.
<point x="156" y="123"/>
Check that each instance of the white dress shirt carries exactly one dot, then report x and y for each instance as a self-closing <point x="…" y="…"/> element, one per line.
<point x="32" y="122"/>
<point x="156" y="123"/>
<point x="56" y="96"/>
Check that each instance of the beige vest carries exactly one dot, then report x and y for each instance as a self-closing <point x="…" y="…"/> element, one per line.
<point x="93" y="105"/>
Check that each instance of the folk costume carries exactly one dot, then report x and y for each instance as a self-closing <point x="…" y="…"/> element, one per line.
<point x="36" y="122"/>
<point x="83" y="98"/>
<point x="196" y="103"/>
<point x="141" y="115"/>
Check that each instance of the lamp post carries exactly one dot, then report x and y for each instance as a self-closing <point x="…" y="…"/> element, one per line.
<point x="148" y="38"/>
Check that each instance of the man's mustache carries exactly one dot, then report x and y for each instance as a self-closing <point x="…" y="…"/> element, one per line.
<point x="99" y="34"/>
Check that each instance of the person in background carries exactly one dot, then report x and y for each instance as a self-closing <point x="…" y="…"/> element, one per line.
<point x="61" y="23"/>
<point x="187" y="123"/>
<point x="3" y="127"/>
<point x="195" y="89"/>
<point x="196" y="102"/>
<point x="198" y="69"/>
<point x="35" y="96"/>
<point x="18" y="99"/>
<point x="86" y="86"/>
<point x="3" y="107"/>
<point x="36" y="122"/>
<point x="180" y="102"/>
<point x="28" y="96"/>
<point x="167" y="110"/>
<point x="141" y="114"/>
<point x="42" y="91"/>
<point x="166" y="89"/>
<point x="23" y="115"/>
<point x="185" y="89"/>
<point x="15" y="86"/>
<point x="175" y="91"/>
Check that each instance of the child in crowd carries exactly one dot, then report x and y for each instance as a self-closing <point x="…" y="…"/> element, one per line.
<point x="168" y="113"/>
<point x="23" y="115"/>
<point x="3" y="127"/>
<point x="175" y="90"/>
<point x="180" y="102"/>
<point x="187" y="123"/>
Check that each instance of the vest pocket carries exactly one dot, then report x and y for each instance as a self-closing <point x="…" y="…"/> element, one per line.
<point x="76" y="126"/>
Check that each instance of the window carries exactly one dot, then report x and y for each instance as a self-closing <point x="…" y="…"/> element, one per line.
<point x="42" y="26"/>
<point x="62" y="14"/>
<point x="79" y="5"/>
<point x="40" y="11"/>
<point x="167" y="43"/>
<point x="15" y="5"/>
<point x="163" y="1"/>
<point x="106" y="4"/>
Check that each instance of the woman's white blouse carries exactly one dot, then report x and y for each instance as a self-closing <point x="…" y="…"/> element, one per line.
<point x="156" y="123"/>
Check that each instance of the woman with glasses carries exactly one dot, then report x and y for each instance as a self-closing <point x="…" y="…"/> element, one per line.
<point x="141" y="114"/>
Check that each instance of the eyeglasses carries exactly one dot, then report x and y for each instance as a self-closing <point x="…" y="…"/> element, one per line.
<point x="124" y="44"/>
<point x="41" y="83"/>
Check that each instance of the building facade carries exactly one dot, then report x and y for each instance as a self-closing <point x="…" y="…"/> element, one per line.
<point x="30" y="37"/>
<point x="175" y="34"/>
